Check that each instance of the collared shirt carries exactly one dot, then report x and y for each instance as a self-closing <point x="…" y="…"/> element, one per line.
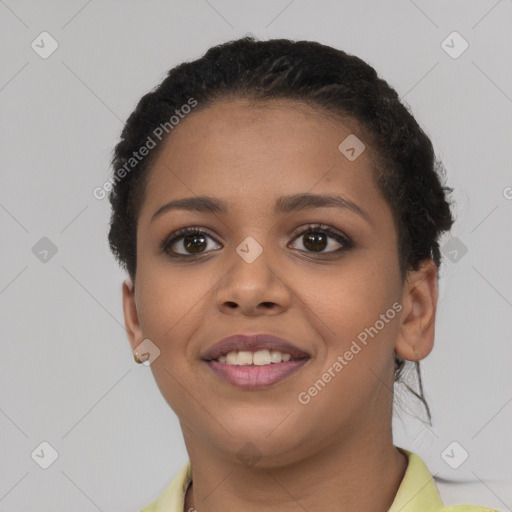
<point x="417" y="492"/>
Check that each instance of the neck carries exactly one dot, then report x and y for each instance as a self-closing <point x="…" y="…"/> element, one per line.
<point x="349" y="477"/>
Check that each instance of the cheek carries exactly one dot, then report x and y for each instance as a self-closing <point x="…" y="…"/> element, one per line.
<point x="351" y="306"/>
<point x="172" y="308"/>
<point x="172" y="305"/>
<point x="348" y="297"/>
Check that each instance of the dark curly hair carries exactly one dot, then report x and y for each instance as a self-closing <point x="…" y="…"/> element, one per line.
<point x="331" y="81"/>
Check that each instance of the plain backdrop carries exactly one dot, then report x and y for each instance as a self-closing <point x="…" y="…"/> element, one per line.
<point x="67" y="374"/>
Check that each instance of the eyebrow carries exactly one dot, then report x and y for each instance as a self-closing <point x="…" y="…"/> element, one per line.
<point x="283" y="205"/>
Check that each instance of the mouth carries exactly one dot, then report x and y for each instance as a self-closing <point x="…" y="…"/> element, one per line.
<point x="254" y="361"/>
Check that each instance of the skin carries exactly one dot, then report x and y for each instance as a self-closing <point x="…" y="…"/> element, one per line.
<point x="335" y="453"/>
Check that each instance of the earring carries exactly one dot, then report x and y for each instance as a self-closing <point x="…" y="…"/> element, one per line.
<point x="136" y="359"/>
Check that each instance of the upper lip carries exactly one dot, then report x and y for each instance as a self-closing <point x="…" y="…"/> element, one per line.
<point x="252" y="343"/>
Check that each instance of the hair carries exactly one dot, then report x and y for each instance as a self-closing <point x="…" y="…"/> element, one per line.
<point x="331" y="81"/>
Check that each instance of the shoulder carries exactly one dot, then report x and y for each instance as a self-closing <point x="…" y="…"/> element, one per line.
<point x="468" y="508"/>
<point x="418" y="491"/>
<point x="152" y="507"/>
<point x="173" y="497"/>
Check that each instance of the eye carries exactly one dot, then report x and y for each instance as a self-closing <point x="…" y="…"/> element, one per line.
<point x="321" y="239"/>
<point x="187" y="241"/>
<point x="317" y="238"/>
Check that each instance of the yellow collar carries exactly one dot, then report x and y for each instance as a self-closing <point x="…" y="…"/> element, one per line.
<point x="417" y="492"/>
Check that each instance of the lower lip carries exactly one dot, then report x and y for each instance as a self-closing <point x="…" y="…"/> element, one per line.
<point x="255" y="377"/>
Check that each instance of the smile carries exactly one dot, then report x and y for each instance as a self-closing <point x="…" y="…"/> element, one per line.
<point x="255" y="370"/>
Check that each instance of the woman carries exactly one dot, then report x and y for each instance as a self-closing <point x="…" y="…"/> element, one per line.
<point x="278" y="212"/>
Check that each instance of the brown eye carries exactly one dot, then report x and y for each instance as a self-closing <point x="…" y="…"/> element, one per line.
<point x="190" y="242"/>
<point x="315" y="241"/>
<point x="322" y="240"/>
<point x="194" y="243"/>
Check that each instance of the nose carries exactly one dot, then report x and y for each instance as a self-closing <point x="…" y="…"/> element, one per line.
<point x="253" y="288"/>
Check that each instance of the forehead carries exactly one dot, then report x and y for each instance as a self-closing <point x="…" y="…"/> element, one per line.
<point x="251" y="152"/>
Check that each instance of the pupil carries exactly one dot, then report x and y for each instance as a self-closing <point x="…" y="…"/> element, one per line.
<point x="192" y="244"/>
<point x="311" y="241"/>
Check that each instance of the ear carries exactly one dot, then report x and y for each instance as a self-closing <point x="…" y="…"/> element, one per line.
<point x="131" y="318"/>
<point x="417" y="322"/>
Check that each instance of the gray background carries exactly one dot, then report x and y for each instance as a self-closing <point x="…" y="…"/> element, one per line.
<point x="67" y="374"/>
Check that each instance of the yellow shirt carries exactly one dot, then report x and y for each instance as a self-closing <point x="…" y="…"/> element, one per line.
<point x="417" y="492"/>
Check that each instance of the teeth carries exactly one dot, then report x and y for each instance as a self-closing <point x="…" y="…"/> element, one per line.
<point x="232" y="358"/>
<point x="258" y="358"/>
<point x="244" y="358"/>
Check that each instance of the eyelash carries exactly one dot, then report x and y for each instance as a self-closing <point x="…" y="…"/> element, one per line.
<point x="344" y="240"/>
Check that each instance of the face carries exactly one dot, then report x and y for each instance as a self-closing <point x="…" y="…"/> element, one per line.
<point x="324" y="277"/>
